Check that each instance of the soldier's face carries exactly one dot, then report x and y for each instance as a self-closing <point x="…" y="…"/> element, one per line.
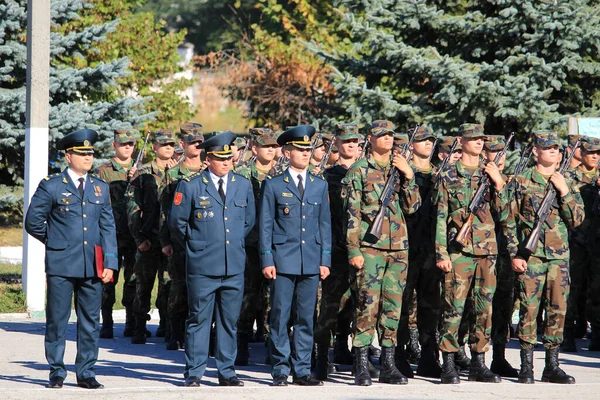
<point x="472" y="146"/>
<point x="190" y="150"/>
<point x="299" y="158"/>
<point x="546" y="156"/>
<point x="265" y="154"/>
<point x="164" y="151"/>
<point x="80" y="163"/>
<point x="423" y="148"/>
<point x="219" y="166"/>
<point x="347" y="148"/>
<point x="319" y="153"/>
<point x="124" y="151"/>
<point x="590" y="158"/>
<point x="383" y="143"/>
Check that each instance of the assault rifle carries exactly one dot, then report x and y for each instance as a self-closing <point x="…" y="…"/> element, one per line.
<point x="547" y="204"/>
<point x="478" y="202"/>
<point x="325" y="159"/>
<point x="387" y="195"/>
<point x="446" y="160"/>
<point x="138" y="162"/>
<point x="365" y="149"/>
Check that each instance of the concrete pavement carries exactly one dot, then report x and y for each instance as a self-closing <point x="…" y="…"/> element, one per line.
<point x="151" y="372"/>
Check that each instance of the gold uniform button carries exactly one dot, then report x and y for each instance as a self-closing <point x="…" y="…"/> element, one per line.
<point x="84" y="216"/>
<point x="83" y="203"/>
<point x="302" y="203"/>
<point x="227" y="242"/>
<point x="225" y="208"/>
<point x="225" y="218"/>
<point x="85" y="228"/>
<point x="303" y="242"/>
<point x="227" y="230"/>
<point x="303" y="230"/>
<point x="304" y="217"/>
<point x="85" y="242"/>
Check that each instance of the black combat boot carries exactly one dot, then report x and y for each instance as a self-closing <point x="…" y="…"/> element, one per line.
<point x="462" y="361"/>
<point x="429" y="365"/>
<point x="107" y="324"/>
<point x="413" y="350"/>
<point x="526" y="372"/>
<point x="361" y="366"/>
<point x="321" y="368"/>
<point x="139" y="336"/>
<point x="176" y="338"/>
<point x="341" y="353"/>
<point x="552" y="372"/>
<point x="129" y="323"/>
<point x="389" y="373"/>
<point x="500" y="365"/>
<point x="402" y="362"/>
<point x="479" y="371"/>
<point x="449" y="374"/>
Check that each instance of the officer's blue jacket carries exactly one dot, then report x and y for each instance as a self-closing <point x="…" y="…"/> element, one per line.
<point x="294" y="232"/>
<point x="71" y="227"/>
<point x="213" y="233"/>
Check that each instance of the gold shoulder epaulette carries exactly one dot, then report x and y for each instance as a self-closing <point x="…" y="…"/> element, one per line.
<point x="52" y="176"/>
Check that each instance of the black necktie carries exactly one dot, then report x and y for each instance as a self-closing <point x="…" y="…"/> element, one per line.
<point x="300" y="186"/>
<point x="221" y="191"/>
<point x="80" y="187"/>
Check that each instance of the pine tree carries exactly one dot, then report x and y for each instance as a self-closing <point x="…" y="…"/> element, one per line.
<point x="513" y="65"/>
<point x="76" y="89"/>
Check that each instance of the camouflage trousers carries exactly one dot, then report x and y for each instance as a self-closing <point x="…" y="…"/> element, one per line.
<point x="148" y="266"/>
<point x="378" y="288"/>
<point x="551" y="276"/>
<point x="126" y="263"/>
<point x="255" y="288"/>
<point x="177" y="304"/>
<point x="332" y="291"/>
<point x="502" y="306"/>
<point x="475" y="275"/>
<point x="581" y="263"/>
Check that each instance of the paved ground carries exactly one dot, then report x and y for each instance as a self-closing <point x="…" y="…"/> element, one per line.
<point x="150" y="372"/>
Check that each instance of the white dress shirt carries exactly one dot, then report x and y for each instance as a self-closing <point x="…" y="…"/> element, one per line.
<point x="295" y="174"/>
<point x="215" y="180"/>
<point x="75" y="178"/>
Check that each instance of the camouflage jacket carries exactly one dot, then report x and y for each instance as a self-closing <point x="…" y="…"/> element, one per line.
<point x="568" y="213"/>
<point x="421" y="224"/>
<point x="338" y="201"/>
<point x="115" y="175"/>
<point x="456" y="188"/>
<point x="588" y="233"/>
<point x="256" y="178"/>
<point x="366" y="180"/>
<point x="169" y="184"/>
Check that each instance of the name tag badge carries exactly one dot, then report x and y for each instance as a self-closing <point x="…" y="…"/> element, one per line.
<point x="286" y="194"/>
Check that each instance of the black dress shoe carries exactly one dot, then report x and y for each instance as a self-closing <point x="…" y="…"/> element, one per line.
<point x="90" y="383"/>
<point x="192" y="381"/>
<point x="56" y="382"/>
<point x="307" y="381"/>
<point x="231" y="381"/>
<point x="280" y="380"/>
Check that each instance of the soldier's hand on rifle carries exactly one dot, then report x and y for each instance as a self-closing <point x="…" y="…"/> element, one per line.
<point x="400" y="162"/>
<point x="519" y="264"/>
<point x="168" y="250"/>
<point x="559" y="183"/>
<point x="145" y="245"/>
<point x="323" y="272"/>
<point x="444" y="265"/>
<point x="494" y="173"/>
<point x="357" y="262"/>
<point x="269" y="272"/>
<point x="315" y="171"/>
<point x="132" y="172"/>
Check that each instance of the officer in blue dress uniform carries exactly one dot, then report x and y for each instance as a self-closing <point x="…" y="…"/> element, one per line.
<point x="211" y="215"/>
<point x="71" y="214"/>
<point x="295" y="250"/>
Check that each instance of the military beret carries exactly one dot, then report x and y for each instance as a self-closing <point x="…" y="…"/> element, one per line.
<point x="219" y="145"/>
<point x="125" y="136"/>
<point x="423" y="132"/>
<point x="163" y="136"/>
<point x="446" y="144"/>
<point x="471" y="130"/>
<point x="545" y="138"/>
<point x="297" y="136"/>
<point x="191" y="132"/>
<point x="381" y="127"/>
<point x="348" y="131"/>
<point x="80" y="141"/>
<point x="494" y="142"/>
<point x="590" y="143"/>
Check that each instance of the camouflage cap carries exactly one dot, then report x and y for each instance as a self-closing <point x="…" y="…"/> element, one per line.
<point x="381" y="127"/>
<point x="590" y="143"/>
<point x="494" y="142"/>
<point x="125" y="136"/>
<point x="571" y="139"/>
<point x="400" y="138"/>
<point x="178" y="149"/>
<point x="545" y="138"/>
<point x="446" y="144"/>
<point x="163" y="136"/>
<point x="240" y="142"/>
<point x="266" y="139"/>
<point x="424" y="132"/>
<point x="259" y="131"/>
<point x="471" y="130"/>
<point x="348" y="131"/>
<point x="191" y="132"/>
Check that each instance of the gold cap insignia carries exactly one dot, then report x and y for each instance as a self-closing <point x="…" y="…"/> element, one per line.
<point x="226" y="147"/>
<point x="306" y="138"/>
<point x="86" y="142"/>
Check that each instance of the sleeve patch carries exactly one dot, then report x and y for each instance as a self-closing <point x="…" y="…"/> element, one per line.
<point x="178" y="198"/>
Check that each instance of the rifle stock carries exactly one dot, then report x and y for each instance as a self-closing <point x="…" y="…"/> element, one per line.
<point x="462" y="237"/>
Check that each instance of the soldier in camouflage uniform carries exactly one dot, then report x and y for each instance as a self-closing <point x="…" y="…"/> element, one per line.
<point x="547" y="268"/>
<point x="117" y="172"/>
<point x="444" y="149"/>
<point x="584" y="245"/>
<point x="334" y="287"/>
<point x="191" y="135"/>
<point x="144" y="224"/>
<point x="264" y="146"/>
<point x="470" y="268"/>
<point x="378" y="269"/>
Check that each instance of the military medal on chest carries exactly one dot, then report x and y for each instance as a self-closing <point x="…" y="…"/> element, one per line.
<point x="286" y="211"/>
